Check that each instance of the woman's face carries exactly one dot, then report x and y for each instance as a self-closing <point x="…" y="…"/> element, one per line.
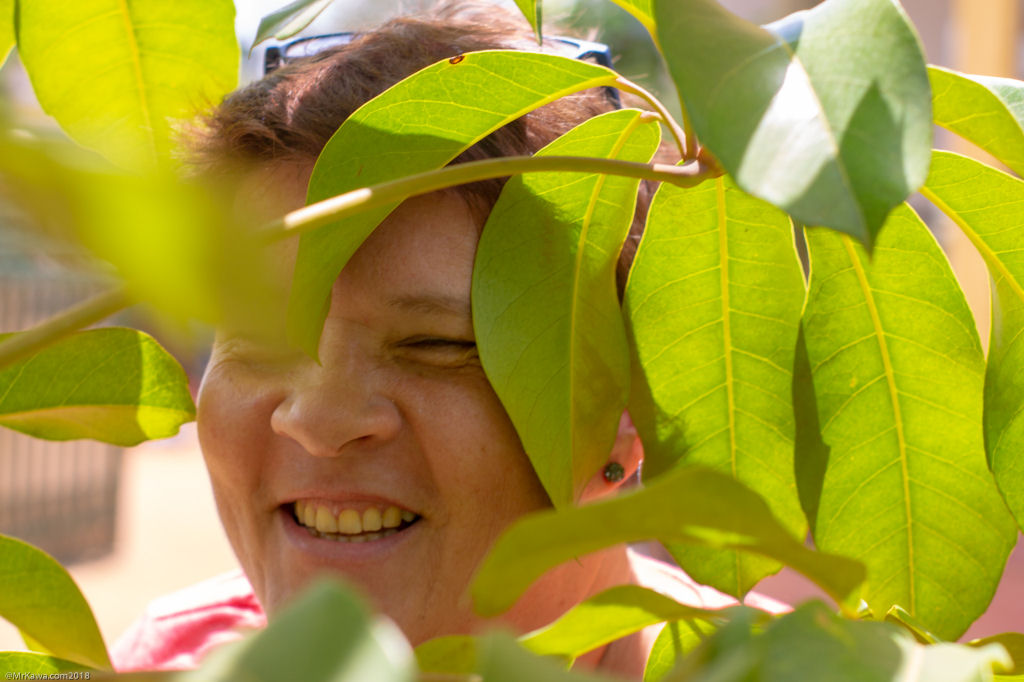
<point x="397" y="435"/>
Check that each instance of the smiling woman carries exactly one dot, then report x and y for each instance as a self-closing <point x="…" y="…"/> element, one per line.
<point x="390" y="460"/>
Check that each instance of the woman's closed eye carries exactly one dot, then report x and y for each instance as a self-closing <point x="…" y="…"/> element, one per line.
<point x="440" y="350"/>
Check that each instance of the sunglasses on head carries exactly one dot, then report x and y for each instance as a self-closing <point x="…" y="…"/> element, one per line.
<point x="277" y="56"/>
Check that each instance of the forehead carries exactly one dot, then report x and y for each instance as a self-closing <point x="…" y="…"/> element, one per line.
<point x="429" y="239"/>
<point x="424" y="248"/>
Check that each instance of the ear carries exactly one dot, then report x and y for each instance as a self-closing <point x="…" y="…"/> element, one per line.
<point x="628" y="452"/>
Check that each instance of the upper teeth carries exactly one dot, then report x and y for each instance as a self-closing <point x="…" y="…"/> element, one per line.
<point x="350" y="521"/>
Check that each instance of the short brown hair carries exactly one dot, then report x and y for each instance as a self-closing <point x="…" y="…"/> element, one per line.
<point x="288" y="116"/>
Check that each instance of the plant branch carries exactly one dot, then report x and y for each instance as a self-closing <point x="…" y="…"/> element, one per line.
<point x="685" y="140"/>
<point x="29" y="342"/>
<point x="327" y="211"/>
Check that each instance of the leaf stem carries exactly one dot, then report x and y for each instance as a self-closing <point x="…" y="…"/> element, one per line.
<point x="329" y="210"/>
<point x="29" y="342"/>
<point x="683" y="135"/>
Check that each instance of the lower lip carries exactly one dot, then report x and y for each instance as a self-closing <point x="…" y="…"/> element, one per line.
<point x="351" y="552"/>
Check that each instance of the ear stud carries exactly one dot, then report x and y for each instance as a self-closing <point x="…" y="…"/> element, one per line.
<point x="613" y="472"/>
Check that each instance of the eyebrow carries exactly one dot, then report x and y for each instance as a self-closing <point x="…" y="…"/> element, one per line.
<point x="432" y="304"/>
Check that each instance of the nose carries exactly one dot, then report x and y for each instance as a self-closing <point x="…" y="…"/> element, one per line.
<point x="330" y="408"/>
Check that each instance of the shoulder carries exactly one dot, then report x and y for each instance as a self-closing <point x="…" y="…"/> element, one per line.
<point x="177" y="630"/>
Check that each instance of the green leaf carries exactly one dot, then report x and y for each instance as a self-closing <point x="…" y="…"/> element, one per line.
<point x="988" y="206"/>
<point x="641" y="11"/>
<point x="450" y="654"/>
<point x="766" y="103"/>
<point x="675" y="641"/>
<point x="898" y="378"/>
<point x="531" y="10"/>
<point x="547" y="320"/>
<point x="813" y="644"/>
<point x="39" y="598"/>
<point x="114" y="73"/>
<point x="195" y="254"/>
<point x="36" y="664"/>
<point x="713" y="306"/>
<point x="289" y="20"/>
<point x="326" y="635"/>
<point x="1013" y="642"/>
<point x="986" y="110"/>
<point x="420" y="124"/>
<point x="606" y="617"/>
<point x="114" y="385"/>
<point x="689" y="505"/>
<point x="502" y="659"/>
<point x="6" y="29"/>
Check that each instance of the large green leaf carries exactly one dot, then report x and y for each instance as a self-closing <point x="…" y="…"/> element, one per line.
<point x="545" y="309"/>
<point x="6" y="29"/>
<point x="691" y="505"/>
<point x="713" y="306"/>
<point x="115" y="73"/>
<point x="641" y="11"/>
<point x="898" y="376"/>
<point x="420" y="124"/>
<point x="606" y="617"/>
<point x="289" y="20"/>
<point x="326" y="635"/>
<point x="675" y="641"/>
<point x="41" y="665"/>
<point x="813" y="644"/>
<point x="39" y="598"/>
<point x="988" y="206"/>
<point x="114" y="385"/>
<point x="825" y="114"/>
<point x="986" y="110"/>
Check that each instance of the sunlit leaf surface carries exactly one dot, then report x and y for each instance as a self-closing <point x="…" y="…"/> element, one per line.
<point x="606" y="617"/>
<point x="326" y="635"/>
<point x="115" y="73"/>
<point x="420" y="124"/>
<point x="986" y="110"/>
<point x="113" y="385"/>
<point x="713" y="306"/>
<point x="676" y="639"/>
<point x="988" y="206"/>
<point x="545" y="308"/>
<point x="813" y="644"/>
<point x="641" y="10"/>
<point x="898" y="376"/>
<point x="689" y="505"/>
<point x="289" y="20"/>
<point x="6" y="28"/>
<point x="767" y="102"/>
<point x="39" y="598"/>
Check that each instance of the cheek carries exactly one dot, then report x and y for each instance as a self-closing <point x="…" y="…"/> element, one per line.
<point x="474" y="451"/>
<point x="233" y="419"/>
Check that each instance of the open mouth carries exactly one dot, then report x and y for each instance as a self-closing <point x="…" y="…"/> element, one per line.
<point x="352" y="525"/>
